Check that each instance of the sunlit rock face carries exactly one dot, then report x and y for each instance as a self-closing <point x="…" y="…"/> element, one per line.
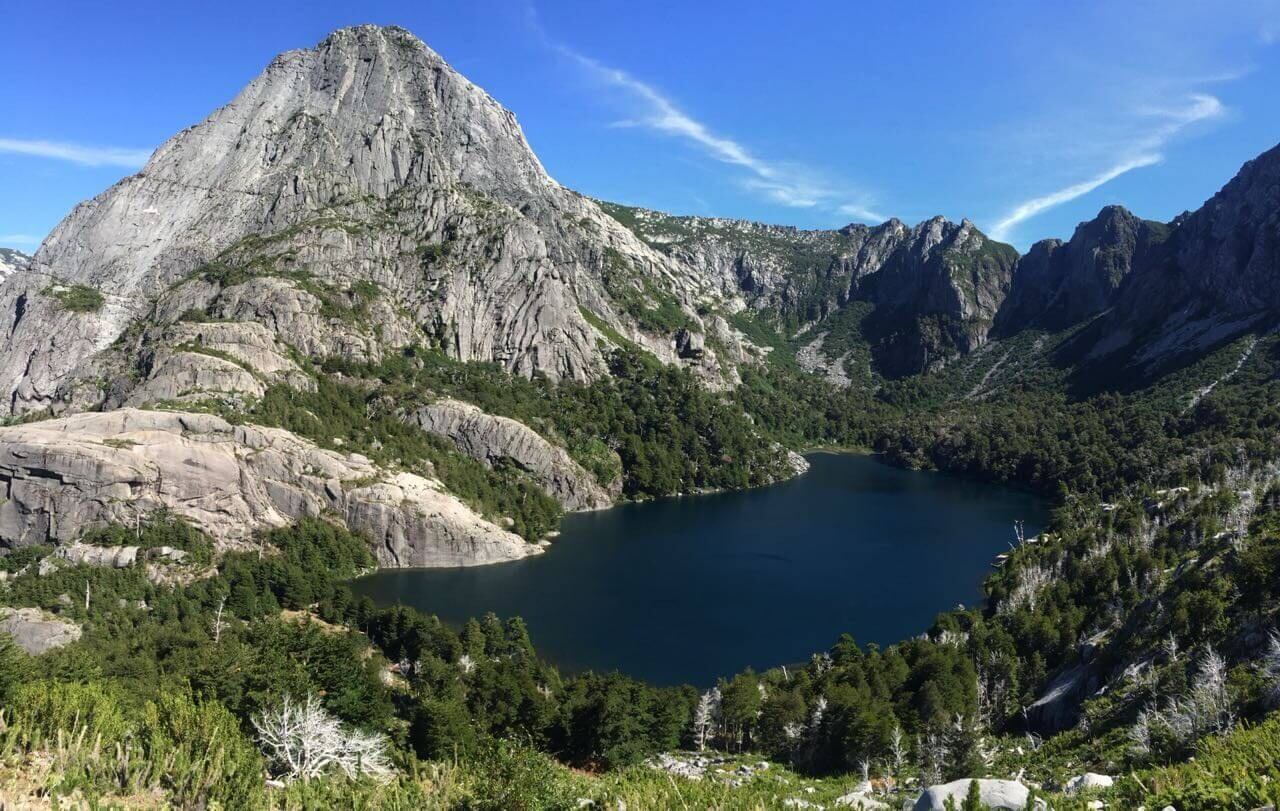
<point x="364" y="164"/>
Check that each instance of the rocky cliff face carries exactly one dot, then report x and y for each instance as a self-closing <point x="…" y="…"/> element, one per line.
<point x="61" y="476"/>
<point x="1058" y="284"/>
<point x="1163" y="293"/>
<point x="499" y="440"/>
<point x="936" y="287"/>
<point x="12" y="261"/>
<point x="936" y="297"/>
<point x="365" y="163"/>
<point x="1215" y="278"/>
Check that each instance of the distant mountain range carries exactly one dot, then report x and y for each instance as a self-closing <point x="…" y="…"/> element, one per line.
<point x="368" y="161"/>
<point x="11" y="261"/>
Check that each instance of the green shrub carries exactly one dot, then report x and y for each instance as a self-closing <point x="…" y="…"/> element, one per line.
<point x="78" y="298"/>
<point x="507" y="776"/>
<point x="198" y="753"/>
<point x="49" y="707"/>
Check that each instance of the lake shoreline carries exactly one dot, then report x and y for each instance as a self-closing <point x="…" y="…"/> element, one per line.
<point x="682" y="590"/>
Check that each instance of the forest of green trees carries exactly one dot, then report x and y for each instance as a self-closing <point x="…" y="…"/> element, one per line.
<point x="210" y="676"/>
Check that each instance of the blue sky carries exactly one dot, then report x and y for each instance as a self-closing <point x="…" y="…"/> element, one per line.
<point x="1024" y="118"/>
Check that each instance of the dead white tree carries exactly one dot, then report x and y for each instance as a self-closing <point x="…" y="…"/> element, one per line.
<point x="1205" y="709"/>
<point x="932" y="753"/>
<point x="819" y="710"/>
<point x="218" y="623"/>
<point x="1140" y="734"/>
<point x="705" y="717"/>
<point x="1208" y="707"/>
<point x="302" y="740"/>
<point x="897" y="749"/>
<point x="1270" y="667"/>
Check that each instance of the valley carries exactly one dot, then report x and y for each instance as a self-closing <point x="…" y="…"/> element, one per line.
<point x="341" y="370"/>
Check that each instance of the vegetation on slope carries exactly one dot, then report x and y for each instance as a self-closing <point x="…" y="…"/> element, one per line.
<point x="1163" y="596"/>
<point x="650" y="424"/>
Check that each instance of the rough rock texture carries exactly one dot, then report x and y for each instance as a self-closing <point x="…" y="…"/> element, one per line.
<point x="191" y="376"/>
<point x="116" y="557"/>
<point x="1058" y="284"/>
<point x="110" y="557"/>
<point x="811" y="358"/>
<point x="492" y="440"/>
<point x="35" y="631"/>
<point x="1163" y="292"/>
<point x="937" y="297"/>
<point x="364" y="166"/>
<point x="997" y="795"/>
<point x="60" y="476"/>
<point x="196" y="361"/>
<point x="1058" y="707"/>
<point x="936" y="287"/>
<point x="1088" y="780"/>
<point x="11" y="260"/>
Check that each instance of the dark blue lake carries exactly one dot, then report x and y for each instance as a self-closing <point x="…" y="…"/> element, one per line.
<point x="689" y="589"/>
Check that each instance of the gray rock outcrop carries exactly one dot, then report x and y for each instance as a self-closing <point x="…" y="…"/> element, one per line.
<point x="493" y="440"/>
<point x="997" y="795"/>
<point x="109" y="557"/>
<point x="1087" y="781"/>
<point x="1162" y="293"/>
<point x="61" y="476"/>
<point x="1058" y="284"/>
<point x="936" y="288"/>
<point x="115" y="557"/>
<point x="35" y="631"/>
<point x="383" y="196"/>
<point x="1058" y="707"/>
<point x="11" y="261"/>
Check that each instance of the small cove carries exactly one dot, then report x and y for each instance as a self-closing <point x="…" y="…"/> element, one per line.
<point x="689" y="589"/>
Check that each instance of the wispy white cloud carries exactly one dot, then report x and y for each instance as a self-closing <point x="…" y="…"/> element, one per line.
<point x="1144" y="150"/>
<point x="83" y="154"/>
<point x="1034" y="206"/>
<point x="862" y="213"/>
<point x="779" y="182"/>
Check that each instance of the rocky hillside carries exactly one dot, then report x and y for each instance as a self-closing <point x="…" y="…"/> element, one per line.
<point x="1059" y="284"/>
<point x="935" y="288"/>
<point x="362" y="173"/>
<point x="12" y="261"/>
<point x="1210" y="280"/>
<point x="1157" y="295"/>
<point x="357" y="201"/>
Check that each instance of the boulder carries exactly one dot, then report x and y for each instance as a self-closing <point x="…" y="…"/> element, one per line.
<point x="60" y="476"/>
<point x="997" y="795"/>
<point x="1088" y="780"/>
<point x="36" y="632"/>
<point x="860" y="799"/>
<point x="690" y="344"/>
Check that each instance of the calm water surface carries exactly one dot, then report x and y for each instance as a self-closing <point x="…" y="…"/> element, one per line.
<point x="689" y="589"/>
